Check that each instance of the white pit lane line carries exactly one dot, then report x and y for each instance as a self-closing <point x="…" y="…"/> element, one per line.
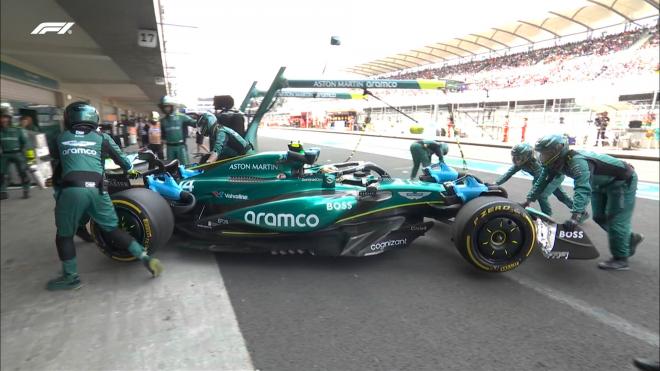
<point x="596" y="313"/>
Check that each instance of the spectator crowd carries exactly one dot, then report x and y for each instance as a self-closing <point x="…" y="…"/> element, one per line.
<point x="594" y="58"/>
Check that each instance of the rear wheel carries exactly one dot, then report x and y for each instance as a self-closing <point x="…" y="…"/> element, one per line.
<point x="145" y="215"/>
<point x="494" y="234"/>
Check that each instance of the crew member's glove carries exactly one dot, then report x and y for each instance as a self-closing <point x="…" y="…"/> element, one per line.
<point x="572" y="223"/>
<point x="133" y="174"/>
<point x="525" y="204"/>
<point x="30" y="156"/>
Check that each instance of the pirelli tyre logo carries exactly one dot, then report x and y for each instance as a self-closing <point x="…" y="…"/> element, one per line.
<point x="59" y="28"/>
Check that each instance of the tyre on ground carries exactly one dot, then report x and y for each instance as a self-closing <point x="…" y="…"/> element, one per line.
<point x="494" y="234"/>
<point x="142" y="213"/>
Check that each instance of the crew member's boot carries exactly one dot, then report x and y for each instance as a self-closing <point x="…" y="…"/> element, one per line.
<point x="635" y="240"/>
<point x="646" y="364"/>
<point x="615" y="264"/>
<point x="153" y="265"/>
<point x="69" y="280"/>
<point x="26" y="193"/>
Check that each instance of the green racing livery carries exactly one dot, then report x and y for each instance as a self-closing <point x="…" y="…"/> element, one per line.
<point x="282" y="203"/>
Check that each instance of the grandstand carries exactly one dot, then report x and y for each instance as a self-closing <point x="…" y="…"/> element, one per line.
<point x="558" y="72"/>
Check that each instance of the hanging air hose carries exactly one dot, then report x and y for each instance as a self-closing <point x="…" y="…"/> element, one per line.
<point x="354" y="149"/>
<point x="460" y="149"/>
<point x="367" y="92"/>
<point x="458" y="142"/>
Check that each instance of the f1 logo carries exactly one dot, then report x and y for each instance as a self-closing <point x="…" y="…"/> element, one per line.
<point x="59" y="27"/>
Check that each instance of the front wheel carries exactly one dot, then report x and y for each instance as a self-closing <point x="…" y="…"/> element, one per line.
<point x="494" y="234"/>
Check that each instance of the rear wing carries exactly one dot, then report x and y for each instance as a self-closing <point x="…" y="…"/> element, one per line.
<point x="279" y="83"/>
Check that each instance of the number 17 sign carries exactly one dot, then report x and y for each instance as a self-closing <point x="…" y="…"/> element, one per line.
<point x="147" y="38"/>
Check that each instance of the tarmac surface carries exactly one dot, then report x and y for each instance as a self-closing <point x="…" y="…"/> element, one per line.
<point x="422" y="308"/>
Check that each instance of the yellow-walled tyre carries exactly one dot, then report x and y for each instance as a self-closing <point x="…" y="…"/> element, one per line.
<point x="494" y="234"/>
<point x="145" y="215"/>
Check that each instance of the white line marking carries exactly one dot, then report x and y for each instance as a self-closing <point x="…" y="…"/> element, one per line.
<point x="599" y="314"/>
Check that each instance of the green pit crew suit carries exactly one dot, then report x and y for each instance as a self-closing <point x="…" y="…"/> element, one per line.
<point x="522" y="156"/>
<point x="13" y="146"/>
<point x="224" y="142"/>
<point x="607" y="182"/>
<point x="175" y="130"/>
<point x="78" y="181"/>
<point x="421" y="152"/>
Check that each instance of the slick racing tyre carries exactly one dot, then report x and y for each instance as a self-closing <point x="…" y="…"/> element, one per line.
<point x="145" y="215"/>
<point x="494" y="234"/>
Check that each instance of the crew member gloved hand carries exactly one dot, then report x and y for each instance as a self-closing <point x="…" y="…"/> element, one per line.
<point x="525" y="204"/>
<point x="133" y="174"/>
<point x="572" y="223"/>
<point x="30" y="156"/>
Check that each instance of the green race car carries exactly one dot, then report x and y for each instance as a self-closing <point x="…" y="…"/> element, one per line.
<point x="284" y="203"/>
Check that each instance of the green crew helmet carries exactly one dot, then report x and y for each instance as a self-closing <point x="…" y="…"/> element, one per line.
<point x="6" y="110"/>
<point x="165" y="101"/>
<point x="521" y="153"/>
<point x="551" y="148"/>
<point x="444" y="148"/>
<point x="80" y="113"/>
<point x="205" y="122"/>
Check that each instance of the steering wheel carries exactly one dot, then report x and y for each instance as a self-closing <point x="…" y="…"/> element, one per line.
<point x="347" y="168"/>
<point x="354" y="167"/>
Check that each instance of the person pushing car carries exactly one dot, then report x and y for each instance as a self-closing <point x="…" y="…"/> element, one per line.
<point x="14" y="145"/>
<point x="224" y="142"/>
<point x="423" y="150"/>
<point x="522" y="156"/>
<point x="175" y="130"/>
<point x="78" y="182"/>
<point x="608" y="183"/>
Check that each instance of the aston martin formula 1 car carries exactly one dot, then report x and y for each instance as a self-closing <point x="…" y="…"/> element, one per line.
<point x="284" y="203"/>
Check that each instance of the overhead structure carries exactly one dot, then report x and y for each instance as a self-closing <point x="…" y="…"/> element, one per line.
<point x="592" y="15"/>
<point x="97" y="60"/>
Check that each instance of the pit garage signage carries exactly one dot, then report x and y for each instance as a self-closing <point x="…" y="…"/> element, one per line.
<point x="147" y="38"/>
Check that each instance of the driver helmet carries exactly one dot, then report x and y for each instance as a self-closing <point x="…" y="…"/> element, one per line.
<point x="551" y="149"/>
<point x="81" y="114"/>
<point x="205" y="122"/>
<point x="521" y="153"/>
<point x="166" y="101"/>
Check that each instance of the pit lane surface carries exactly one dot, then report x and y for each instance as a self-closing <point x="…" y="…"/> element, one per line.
<point x="425" y="308"/>
<point x="420" y="309"/>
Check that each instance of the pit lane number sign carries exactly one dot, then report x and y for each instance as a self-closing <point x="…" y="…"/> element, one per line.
<point x="147" y="38"/>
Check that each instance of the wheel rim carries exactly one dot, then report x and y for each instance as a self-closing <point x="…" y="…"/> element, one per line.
<point x="130" y="223"/>
<point x="500" y="240"/>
